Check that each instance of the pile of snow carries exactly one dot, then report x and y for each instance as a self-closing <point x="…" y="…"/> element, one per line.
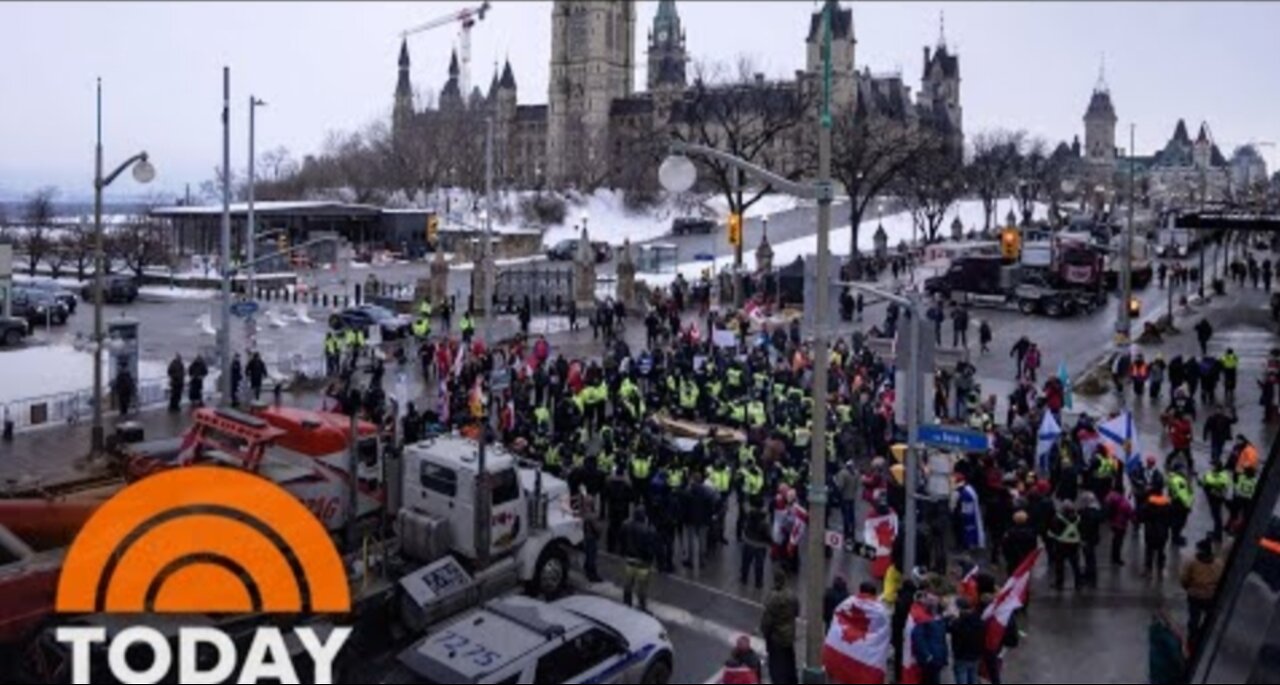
<point x="53" y="370"/>
<point x="768" y="205"/>
<point x="899" y="227"/>
<point x="609" y="220"/>
<point x="160" y="293"/>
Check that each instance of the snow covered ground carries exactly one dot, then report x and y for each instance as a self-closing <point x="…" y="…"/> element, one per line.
<point x="899" y="228"/>
<point x="160" y="293"/>
<point x="54" y="370"/>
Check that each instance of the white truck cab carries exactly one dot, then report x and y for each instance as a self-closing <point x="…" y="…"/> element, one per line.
<point x="522" y="640"/>
<point x="532" y="523"/>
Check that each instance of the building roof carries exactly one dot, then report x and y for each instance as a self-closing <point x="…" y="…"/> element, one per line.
<point x="671" y="70"/>
<point x="404" y="54"/>
<point x="1100" y="106"/>
<point x="841" y="22"/>
<point x="1203" y="136"/>
<point x="1180" y="134"/>
<point x="773" y="97"/>
<point x="301" y="208"/>
<point x="631" y="106"/>
<point x="508" y="81"/>
<point x="944" y="60"/>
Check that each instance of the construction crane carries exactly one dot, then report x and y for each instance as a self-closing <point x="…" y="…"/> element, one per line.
<point x="467" y="18"/>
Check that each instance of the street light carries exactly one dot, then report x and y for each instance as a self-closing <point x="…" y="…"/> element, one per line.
<point x="143" y="172"/>
<point x="251" y="228"/>
<point x="678" y="173"/>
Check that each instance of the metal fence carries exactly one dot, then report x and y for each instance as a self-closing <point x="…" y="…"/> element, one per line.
<point x="72" y="408"/>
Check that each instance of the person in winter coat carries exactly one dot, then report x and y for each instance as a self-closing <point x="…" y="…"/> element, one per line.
<point x="1157" y="525"/>
<point x="743" y="666"/>
<point x="177" y="381"/>
<point x="1091" y="520"/>
<point x="833" y="598"/>
<point x="929" y="643"/>
<point x="778" y="626"/>
<point x="1120" y="515"/>
<point x="968" y="642"/>
<point x="197" y="373"/>
<point x="1204" y="333"/>
<point x="985" y="337"/>
<point x="1159" y="372"/>
<point x="237" y="377"/>
<point x="125" y="389"/>
<point x="257" y="372"/>
<point x="1200" y="578"/>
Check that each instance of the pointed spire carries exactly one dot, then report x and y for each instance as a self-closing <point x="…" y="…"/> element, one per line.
<point x="1204" y="133"/>
<point x="942" y="30"/>
<point x="454" y="69"/>
<point x="1102" y="86"/>
<point x="667" y="9"/>
<point x="508" y="78"/>
<point x="404" y="54"/>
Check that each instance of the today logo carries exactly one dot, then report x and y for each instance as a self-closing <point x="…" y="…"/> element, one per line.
<point x="204" y="541"/>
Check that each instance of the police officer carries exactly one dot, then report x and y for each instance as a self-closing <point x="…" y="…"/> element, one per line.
<point x="1217" y="488"/>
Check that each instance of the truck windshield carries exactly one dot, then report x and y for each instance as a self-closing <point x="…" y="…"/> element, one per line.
<point x="506" y="487"/>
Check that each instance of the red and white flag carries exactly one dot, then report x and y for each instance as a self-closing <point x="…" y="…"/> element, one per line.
<point x="912" y="673"/>
<point x="857" y="647"/>
<point x="1012" y="597"/>
<point x="881" y="532"/>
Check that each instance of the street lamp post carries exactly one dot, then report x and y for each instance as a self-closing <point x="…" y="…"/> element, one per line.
<point x="678" y="174"/>
<point x="224" y="265"/>
<point x="251" y="230"/>
<point x="1124" y="326"/>
<point x="143" y="173"/>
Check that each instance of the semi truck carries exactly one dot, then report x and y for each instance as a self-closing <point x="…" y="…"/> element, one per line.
<point x="991" y="282"/>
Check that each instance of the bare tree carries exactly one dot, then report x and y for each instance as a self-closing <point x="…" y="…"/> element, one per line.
<point x="36" y="241"/>
<point x="738" y="112"/>
<point x="933" y="185"/>
<point x="79" y="245"/>
<point x="870" y="155"/>
<point x="139" y="243"/>
<point x="994" y="168"/>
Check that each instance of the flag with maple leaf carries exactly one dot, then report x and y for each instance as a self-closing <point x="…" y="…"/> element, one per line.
<point x="881" y="532"/>
<point x="1013" y="596"/>
<point x="857" y="647"/>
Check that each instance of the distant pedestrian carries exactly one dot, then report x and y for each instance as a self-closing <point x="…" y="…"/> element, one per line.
<point x="125" y="389"/>
<point x="641" y="550"/>
<point x="237" y="377"/>
<point x="1200" y="579"/>
<point x="1204" y="333"/>
<point x="960" y="327"/>
<point x="985" y="337"/>
<point x="196" y="374"/>
<point x="257" y="372"/>
<point x="177" y="381"/>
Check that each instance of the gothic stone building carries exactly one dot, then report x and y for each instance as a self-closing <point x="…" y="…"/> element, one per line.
<point x="594" y="107"/>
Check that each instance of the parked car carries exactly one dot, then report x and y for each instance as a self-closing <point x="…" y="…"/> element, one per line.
<point x="692" y="225"/>
<point x="12" y="331"/>
<point x="567" y="251"/>
<point x="116" y="289"/>
<point x="367" y="316"/>
<point x="64" y="295"/>
<point x="38" y="307"/>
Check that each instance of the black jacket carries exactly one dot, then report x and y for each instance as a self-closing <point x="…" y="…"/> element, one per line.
<point x="968" y="637"/>
<point x="641" y="541"/>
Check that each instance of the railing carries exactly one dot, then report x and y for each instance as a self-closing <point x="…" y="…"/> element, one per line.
<point x="72" y="408"/>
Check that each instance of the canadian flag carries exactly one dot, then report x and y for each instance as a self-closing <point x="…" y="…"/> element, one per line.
<point x="911" y="670"/>
<point x="881" y="532"/>
<point x="857" y="647"/>
<point x="1013" y="596"/>
<point x="799" y="528"/>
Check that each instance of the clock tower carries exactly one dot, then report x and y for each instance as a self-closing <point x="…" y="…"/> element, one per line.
<point x="667" y="55"/>
<point x="592" y="65"/>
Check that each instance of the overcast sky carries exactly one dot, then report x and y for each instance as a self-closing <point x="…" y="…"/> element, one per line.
<point x="332" y="66"/>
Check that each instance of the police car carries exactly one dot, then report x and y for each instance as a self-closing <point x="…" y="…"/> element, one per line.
<point x="522" y="640"/>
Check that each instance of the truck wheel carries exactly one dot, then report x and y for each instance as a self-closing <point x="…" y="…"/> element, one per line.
<point x="1027" y="307"/>
<point x="659" y="672"/>
<point x="551" y="576"/>
<point x="1053" y="309"/>
<point x="12" y="338"/>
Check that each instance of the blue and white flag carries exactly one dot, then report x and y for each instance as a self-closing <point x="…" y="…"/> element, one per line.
<point x="975" y="535"/>
<point x="1050" y="431"/>
<point x="1121" y="434"/>
<point x="1068" y="392"/>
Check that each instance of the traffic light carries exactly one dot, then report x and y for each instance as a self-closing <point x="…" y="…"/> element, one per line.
<point x="433" y="229"/>
<point x="1011" y="243"/>
<point x="735" y="229"/>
